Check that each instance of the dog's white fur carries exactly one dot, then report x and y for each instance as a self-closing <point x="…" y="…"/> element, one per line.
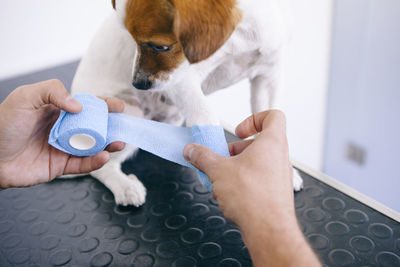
<point x="253" y="51"/>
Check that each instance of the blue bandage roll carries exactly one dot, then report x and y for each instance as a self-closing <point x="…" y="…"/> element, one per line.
<point x="69" y="132"/>
<point x="90" y="131"/>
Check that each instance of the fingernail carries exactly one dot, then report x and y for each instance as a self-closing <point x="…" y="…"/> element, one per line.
<point x="107" y="157"/>
<point x="73" y="102"/>
<point x="188" y="151"/>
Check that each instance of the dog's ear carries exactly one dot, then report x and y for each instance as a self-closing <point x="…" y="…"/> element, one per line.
<point x="113" y="3"/>
<point x="202" y="27"/>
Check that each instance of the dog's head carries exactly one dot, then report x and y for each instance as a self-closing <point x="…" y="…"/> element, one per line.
<point x="168" y="32"/>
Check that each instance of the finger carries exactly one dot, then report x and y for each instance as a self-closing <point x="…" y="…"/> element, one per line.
<point x="256" y="123"/>
<point x="50" y="92"/>
<point x="114" y="105"/>
<point x="248" y="127"/>
<point x="77" y="165"/>
<point x="236" y="148"/>
<point x="202" y="158"/>
<point x="274" y="125"/>
<point x="116" y="146"/>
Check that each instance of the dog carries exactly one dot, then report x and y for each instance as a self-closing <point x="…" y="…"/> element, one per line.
<point x="161" y="57"/>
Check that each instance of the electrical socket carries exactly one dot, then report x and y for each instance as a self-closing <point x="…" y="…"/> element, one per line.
<point x="356" y="153"/>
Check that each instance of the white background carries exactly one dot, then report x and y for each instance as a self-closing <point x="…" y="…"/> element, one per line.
<point x="40" y="34"/>
<point x="37" y="34"/>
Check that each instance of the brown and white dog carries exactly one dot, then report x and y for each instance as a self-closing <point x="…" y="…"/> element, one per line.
<point x="163" y="56"/>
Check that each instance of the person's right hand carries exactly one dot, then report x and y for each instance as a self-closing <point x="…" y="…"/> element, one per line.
<point x="254" y="189"/>
<point x="257" y="176"/>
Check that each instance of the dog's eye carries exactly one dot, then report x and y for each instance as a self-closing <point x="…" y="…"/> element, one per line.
<point x="159" y="48"/>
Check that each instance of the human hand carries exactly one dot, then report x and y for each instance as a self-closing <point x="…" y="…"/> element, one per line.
<point x="254" y="189"/>
<point x="26" y="118"/>
<point x="257" y="176"/>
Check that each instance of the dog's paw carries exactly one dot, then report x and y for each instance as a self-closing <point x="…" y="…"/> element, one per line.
<point x="297" y="181"/>
<point x="130" y="191"/>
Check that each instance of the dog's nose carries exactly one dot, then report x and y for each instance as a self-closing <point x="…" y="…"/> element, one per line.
<point x="144" y="84"/>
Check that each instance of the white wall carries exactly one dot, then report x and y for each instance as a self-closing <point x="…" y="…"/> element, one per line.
<point x="38" y="34"/>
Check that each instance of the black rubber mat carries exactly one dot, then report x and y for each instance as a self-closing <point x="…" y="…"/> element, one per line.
<point x="76" y="223"/>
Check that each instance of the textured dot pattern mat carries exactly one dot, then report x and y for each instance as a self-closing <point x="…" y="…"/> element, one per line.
<point x="74" y="222"/>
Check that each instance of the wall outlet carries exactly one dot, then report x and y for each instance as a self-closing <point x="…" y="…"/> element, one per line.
<point x="356" y="153"/>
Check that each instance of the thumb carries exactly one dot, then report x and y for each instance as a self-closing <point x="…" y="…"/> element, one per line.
<point x="202" y="158"/>
<point x="53" y="92"/>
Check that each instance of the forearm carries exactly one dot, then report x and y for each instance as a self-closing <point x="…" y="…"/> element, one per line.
<point x="277" y="243"/>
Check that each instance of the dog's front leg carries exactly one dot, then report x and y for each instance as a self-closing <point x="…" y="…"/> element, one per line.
<point x="127" y="189"/>
<point x="263" y="93"/>
<point x="266" y="84"/>
<point x="263" y="97"/>
<point x="193" y="105"/>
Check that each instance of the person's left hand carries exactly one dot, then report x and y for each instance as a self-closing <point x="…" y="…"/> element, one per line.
<point x="26" y="118"/>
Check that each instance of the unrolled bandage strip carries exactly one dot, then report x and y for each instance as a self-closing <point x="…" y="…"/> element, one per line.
<point x="90" y="131"/>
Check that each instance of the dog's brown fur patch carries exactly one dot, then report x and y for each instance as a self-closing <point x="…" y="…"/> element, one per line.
<point x="194" y="28"/>
<point x="151" y="21"/>
<point x="203" y="26"/>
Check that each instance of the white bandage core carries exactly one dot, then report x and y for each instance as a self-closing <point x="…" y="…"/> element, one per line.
<point x="82" y="141"/>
